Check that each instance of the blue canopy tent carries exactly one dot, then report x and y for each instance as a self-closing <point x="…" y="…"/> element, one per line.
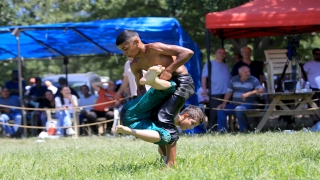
<point x="93" y="38"/>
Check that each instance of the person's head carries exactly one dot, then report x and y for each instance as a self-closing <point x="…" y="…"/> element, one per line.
<point x="316" y="54"/>
<point x="47" y="83"/>
<point x="244" y="72"/>
<point x="32" y="81"/>
<point x="62" y="81"/>
<point x="65" y="91"/>
<point x="84" y="90"/>
<point x="190" y="117"/>
<point x="5" y="93"/>
<point x="237" y="57"/>
<point x="38" y="81"/>
<point x="220" y="54"/>
<point x="129" y="43"/>
<point x="246" y="53"/>
<point x="15" y="75"/>
<point x="48" y="95"/>
<point x="111" y="86"/>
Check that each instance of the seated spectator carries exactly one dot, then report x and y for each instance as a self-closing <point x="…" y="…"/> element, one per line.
<point x="203" y="100"/>
<point x="49" y="103"/>
<point x="243" y="89"/>
<point x="51" y="87"/>
<point x="63" y="82"/>
<point x="65" y="103"/>
<point x="87" y="100"/>
<point x="9" y="113"/>
<point x="32" y="83"/>
<point x="37" y="92"/>
<point x="256" y="67"/>
<point x="13" y="85"/>
<point x="105" y="110"/>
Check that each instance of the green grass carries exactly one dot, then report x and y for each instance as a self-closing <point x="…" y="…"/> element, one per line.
<point x="250" y="156"/>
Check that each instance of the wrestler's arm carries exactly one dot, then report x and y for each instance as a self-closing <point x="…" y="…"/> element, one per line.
<point x="182" y="54"/>
<point x="138" y="75"/>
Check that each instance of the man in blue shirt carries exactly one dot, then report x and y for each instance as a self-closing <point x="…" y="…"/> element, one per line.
<point x="13" y="85"/>
<point x="243" y="89"/>
<point x="9" y="113"/>
<point x="37" y="92"/>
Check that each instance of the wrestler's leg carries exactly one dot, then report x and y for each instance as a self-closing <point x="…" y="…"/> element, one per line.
<point x="151" y="136"/>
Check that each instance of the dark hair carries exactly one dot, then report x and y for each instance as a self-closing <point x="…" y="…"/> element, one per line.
<point x="125" y="36"/>
<point x="61" y="95"/>
<point x="315" y="50"/>
<point x="48" y="91"/>
<point x="194" y="112"/>
<point x="84" y="86"/>
<point x="238" y="54"/>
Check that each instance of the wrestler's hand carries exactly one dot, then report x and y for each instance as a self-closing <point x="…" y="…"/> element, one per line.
<point x="117" y="96"/>
<point x="165" y="75"/>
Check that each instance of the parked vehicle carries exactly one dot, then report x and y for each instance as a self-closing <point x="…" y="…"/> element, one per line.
<point x="75" y="80"/>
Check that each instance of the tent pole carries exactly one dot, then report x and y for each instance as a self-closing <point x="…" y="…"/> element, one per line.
<point x="16" y="33"/>
<point x="209" y="71"/>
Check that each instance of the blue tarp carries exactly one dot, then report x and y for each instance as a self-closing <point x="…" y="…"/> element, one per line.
<point x="70" y="39"/>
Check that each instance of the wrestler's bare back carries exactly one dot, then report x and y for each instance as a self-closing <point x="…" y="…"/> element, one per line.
<point x="153" y="57"/>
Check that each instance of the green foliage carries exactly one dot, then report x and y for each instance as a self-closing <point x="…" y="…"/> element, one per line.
<point x="190" y="13"/>
<point x="251" y="156"/>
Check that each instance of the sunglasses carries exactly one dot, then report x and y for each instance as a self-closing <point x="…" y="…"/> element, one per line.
<point x="317" y="54"/>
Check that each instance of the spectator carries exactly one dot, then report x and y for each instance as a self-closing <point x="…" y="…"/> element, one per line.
<point x="205" y="101"/>
<point x="87" y="100"/>
<point x="105" y="110"/>
<point x="256" y="67"/>
<point x="13" y="85"/>
<point x="49" y="103"/>
<point x="32" y="83"/>
<point x="237" y="58"/>
<point x="312" y="69"/>
<point x="65" y="103"/>
<point x="37" y="92"/>
<point x="9" y="113"/>
<point x="63" y="82"/>
<point x="243" y="88"/>
<point x="129" y="81"/>
<point x="220" y="77"/>
<point x="51" y="87"/>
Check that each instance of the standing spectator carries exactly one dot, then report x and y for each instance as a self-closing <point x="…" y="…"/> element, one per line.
<point x="51" y="87"/>
<point x="129" y="81"/>
<point x="312" y="69"/>
<point x="10" y="113"/>
<point x="220" y="77"/>
<point x="237" y="58"/>
<point x="242" y="88"/>
<point x="256" y="67"/>
<point x="104" y="110"/>
<point x="13" y="85"/>
<point x="65" y="103"/>
<point x="63" y="82"/>
<point x="87" y="100"/>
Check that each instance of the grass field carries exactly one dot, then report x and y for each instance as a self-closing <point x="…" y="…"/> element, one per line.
<point x="250" y="156"/>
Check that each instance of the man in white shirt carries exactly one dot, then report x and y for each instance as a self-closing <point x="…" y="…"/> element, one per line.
<point x="129" y="81"/>
<point x="51" y="87"/>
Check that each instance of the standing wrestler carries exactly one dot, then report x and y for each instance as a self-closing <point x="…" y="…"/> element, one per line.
<point x="173" y="58"/>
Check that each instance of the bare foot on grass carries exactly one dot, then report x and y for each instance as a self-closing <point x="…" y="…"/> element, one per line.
<point x="151" y="74"/>
<point x="122" y="129"/>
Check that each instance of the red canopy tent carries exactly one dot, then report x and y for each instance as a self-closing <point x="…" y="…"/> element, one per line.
<point x="266" y="18"/>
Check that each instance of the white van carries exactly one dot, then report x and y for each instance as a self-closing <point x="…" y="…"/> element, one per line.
<point x="75" y="80"/>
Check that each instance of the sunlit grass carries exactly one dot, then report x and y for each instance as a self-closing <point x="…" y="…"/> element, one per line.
<point x="250" y="156"/>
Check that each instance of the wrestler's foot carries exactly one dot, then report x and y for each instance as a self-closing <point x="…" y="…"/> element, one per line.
<point x="151" y="74"/>
<point x="122" y="129"/>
